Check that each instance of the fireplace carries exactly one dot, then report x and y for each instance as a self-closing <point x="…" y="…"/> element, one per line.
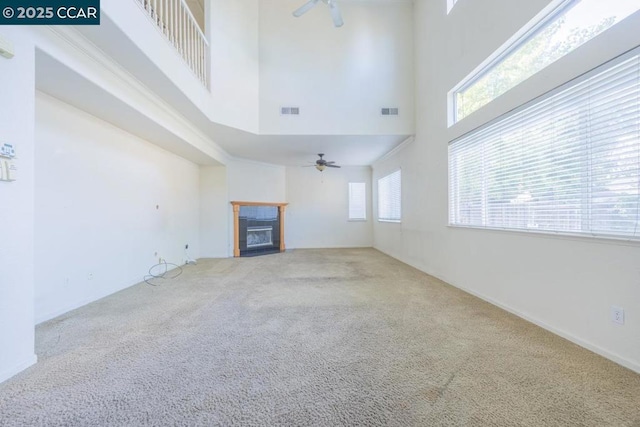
<point x="258" y="237"/>
<point x="258" y="228"/>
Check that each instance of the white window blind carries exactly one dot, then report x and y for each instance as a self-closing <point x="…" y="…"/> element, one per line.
<point x="389" y="197"/>
<point x="357" y="201"/>
<point x="568" y="163"/>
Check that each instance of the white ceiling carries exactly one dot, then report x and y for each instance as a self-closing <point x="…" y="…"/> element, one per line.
<point x="297" y="150"/>
<point x="59" y="81"/>
<point x="290" y="150"/>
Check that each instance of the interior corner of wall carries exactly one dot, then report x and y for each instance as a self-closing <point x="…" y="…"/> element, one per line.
<point x="19" y="367"/>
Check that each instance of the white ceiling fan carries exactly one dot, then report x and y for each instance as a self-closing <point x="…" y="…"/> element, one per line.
<point x="333" y="8"/>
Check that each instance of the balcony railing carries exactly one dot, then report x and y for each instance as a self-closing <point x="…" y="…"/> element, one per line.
<point x="176" y="22"/>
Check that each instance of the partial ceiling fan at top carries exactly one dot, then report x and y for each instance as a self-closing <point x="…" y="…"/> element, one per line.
<point x="333" y="8"/>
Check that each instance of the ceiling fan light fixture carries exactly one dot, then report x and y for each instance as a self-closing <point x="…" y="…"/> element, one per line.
<point x="321" y="167"/>
<point x="336" y="16"/>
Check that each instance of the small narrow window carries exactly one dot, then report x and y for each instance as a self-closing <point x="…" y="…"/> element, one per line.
<point x="357" y="201"/>
<point x="568" y="26"/>
<point x="389" y="197"/>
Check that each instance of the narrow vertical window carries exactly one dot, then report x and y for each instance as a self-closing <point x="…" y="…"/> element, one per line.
<point x="357" y="201"/>
<point x="389" y="197"/>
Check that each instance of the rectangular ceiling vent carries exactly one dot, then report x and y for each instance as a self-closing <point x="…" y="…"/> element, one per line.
<point x="290" y="111"/>
<point x="389" y="111"/>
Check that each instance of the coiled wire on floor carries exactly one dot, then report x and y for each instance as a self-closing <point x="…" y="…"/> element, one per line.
<point x="161" y="271"/>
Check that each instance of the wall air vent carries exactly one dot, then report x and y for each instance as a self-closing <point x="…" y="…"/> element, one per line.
<point x="290" y="111"/>
<point x="389" y="111"/>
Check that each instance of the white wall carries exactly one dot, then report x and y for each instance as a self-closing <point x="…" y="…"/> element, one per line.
<point x="108" y="205"/>
<point x="232" y="28"/>
<point x="318" y="211"/>
<point x="564" y="284"/>
<point x="214" y="212"/>
<point x="16" y="215"/>
<point x="254" y="182"/>
<point x="339" y="77"/>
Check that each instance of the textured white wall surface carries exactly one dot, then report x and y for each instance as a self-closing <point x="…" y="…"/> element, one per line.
<point x="16" y="252"/>
<point x="108" y="205"/>
<point x="339" y="77"/>
<point x="566" y="285"/>
<point x="318" y="212"/>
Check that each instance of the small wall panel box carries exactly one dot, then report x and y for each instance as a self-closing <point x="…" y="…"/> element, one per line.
<point x="6" y="48"/>
<point x="7" y="150"/>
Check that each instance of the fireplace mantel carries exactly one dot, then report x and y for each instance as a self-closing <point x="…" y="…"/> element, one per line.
<point x="236" y="222"/>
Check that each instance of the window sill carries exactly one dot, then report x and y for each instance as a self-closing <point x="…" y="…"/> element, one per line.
<point x="397" y="221"/>
<point x="554" y="235"/>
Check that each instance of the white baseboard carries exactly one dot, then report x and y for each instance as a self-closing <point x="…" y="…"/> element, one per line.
<point x="634" y="366"/>
<point x="564" y="334"/>
<point x="5" y="375"/>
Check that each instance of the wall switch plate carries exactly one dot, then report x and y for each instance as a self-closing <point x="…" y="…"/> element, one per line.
<point x="617" y="315"/>
<point x="8" y="170"/>
<point x="12" y="170"/>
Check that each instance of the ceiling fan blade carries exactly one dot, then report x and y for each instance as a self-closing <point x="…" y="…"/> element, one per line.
<point x="332" y="166"/>
<point x="305" y="8"/>
<point x="329" y="163"/>
<point x="335" y="14"/>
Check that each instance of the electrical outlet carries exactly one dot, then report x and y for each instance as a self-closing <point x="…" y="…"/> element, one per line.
<point x="617" y="315"/>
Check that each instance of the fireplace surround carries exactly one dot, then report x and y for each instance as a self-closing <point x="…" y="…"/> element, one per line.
<point x="258" y="228"/>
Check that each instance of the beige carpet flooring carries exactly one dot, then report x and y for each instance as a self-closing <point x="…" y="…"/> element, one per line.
<point x="310" y="338"/>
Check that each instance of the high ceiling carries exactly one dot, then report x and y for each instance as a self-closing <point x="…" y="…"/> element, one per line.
<point x="290" y="148"/>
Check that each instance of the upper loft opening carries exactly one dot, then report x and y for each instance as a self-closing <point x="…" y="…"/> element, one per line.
<point x="182" y="23"/>
<point x="197" y="10"/>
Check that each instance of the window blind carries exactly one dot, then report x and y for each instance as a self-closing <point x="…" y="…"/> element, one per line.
<point x="357" y="201"/>
<point x="568" y="162"/>
<point x="389" y="197"/>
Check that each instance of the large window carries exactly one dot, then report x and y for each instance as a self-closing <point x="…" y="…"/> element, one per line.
<point x="389" y="197"/>
<point x="357" y="201"/>
<point x="565" y="28"/>
<point x="568" y="162"/>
